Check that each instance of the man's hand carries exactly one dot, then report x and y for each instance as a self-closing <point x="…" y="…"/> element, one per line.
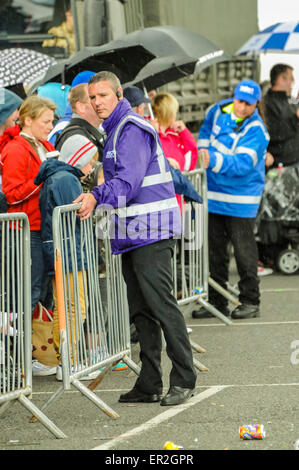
<point x="269" y="159"/>
<point x="206" y="157"/>
<point x="89" y="202"/>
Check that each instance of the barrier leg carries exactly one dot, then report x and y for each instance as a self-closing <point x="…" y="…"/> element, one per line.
<point x="96" y="400"/>
<point x="197" y="347"/>
<point x="133" y="366"/>
<point x="199" y="365"/>
<point x="54" y="397"/>
<point x="215" y="312"/>
<point x="41" y="417"/>
<point x="223" y="292"/>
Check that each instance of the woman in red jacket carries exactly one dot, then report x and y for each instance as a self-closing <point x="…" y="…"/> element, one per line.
<point x="23" y="148"/>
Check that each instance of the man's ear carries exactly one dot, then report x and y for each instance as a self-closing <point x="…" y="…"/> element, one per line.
<point x="119" y="94"/>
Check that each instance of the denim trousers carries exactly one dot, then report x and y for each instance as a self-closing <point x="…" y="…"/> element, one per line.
<point x="41" y="284"/>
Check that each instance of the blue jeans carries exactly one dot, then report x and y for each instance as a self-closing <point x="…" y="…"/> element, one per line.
<point x="40" y="283"/>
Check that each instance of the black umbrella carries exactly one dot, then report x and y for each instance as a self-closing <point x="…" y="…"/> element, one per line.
<point x="125" y="62"/>
<point x="165" y="41"/>
<point x="163" y="70"/>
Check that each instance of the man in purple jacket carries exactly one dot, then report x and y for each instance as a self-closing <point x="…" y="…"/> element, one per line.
<point x="139" y="188"/>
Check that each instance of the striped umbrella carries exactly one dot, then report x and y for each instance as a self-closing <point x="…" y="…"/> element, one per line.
<point x="280" y="37"/>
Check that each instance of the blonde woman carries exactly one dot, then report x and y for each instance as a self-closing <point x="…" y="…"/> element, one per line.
<point x="25" y="146"/>
<point x="178" y="143"/>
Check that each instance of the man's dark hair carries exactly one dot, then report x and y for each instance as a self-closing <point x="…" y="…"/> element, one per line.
<point x="277" y="70"/>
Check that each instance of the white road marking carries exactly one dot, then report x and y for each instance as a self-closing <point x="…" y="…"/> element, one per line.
<point x="169" y="413"/>
<point x="122" y="390"/>
<point x="236" y="323"/>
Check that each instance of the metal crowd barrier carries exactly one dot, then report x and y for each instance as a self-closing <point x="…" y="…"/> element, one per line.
<point x="16" y="318"/>
<point x="191" y="263"/>
<point x="94" y="331"/>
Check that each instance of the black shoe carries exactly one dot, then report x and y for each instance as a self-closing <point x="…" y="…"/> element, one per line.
<point x="176" y="396"/>
<point x="204" y="313"/>
<point x="246" y="311"/>
<point x="135" y="396"/>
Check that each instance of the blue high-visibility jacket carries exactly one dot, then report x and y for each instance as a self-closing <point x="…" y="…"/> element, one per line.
<point x="236" y="172"/>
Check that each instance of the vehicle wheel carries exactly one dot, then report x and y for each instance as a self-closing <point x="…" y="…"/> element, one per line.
<point x="288" y="261"/>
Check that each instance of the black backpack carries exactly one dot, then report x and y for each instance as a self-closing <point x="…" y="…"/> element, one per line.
<point x="81" y="126"/>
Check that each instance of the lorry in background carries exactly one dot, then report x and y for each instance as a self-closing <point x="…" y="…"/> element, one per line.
<point x="227" y="23"/>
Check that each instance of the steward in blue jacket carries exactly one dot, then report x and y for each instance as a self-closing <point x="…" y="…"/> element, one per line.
<point x="234" y="140"/>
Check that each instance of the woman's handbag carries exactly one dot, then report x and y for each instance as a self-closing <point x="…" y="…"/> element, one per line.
<point x="42" y="336"/>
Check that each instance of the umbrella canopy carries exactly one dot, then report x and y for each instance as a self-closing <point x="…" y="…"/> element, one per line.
<point x="163" y="70"/>
<point x="280" y="37"/>
<point x="22" y="66"/>
<point x="125" y="62"/>
<point x="163" y="41"/>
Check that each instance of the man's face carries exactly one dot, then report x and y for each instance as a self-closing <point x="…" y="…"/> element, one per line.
<point x="242" y="109"/>
<point x="103" y="98"/>
<point x="286" y="81"/>
<point x="86" y="110"/>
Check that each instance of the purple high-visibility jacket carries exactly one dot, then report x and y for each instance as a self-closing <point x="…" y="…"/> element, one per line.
<point x="138" y="186"/>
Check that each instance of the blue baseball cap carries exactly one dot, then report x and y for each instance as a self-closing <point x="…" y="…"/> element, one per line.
<point x="57" y="93"/>
<point x="249" y="91"/>
<point x="82" y="77"/>
<point x="135" y="96"/>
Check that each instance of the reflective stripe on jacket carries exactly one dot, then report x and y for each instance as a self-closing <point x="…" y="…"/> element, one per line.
<point x="236" y="172"/>
<point x="138" y="183"/>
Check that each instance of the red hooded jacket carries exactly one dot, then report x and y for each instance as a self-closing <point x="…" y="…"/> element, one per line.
<point x="20" y="165"/>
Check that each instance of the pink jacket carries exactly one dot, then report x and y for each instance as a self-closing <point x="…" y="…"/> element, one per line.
<point x="182" y="147"/>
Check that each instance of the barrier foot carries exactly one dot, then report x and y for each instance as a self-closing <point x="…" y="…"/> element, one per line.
<point x="101" y="376"/>
<point x="215" y="312"/>
<point x="197" y="347"/>
<point x="223" y="292"/>
<point x="41" y="417"/>
<point x="54" y="397"/>
<point x="199" y="366"/>
<point x="96" y="400"/>
<point x="133" y="366"/>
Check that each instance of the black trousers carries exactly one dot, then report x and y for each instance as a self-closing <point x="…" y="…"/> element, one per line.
<point x="239" y="231"/>
<point x="148" y="274"/>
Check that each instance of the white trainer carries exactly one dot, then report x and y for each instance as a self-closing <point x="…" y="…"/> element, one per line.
<point x="90" y="376"/>
<point x="40" y="370"/>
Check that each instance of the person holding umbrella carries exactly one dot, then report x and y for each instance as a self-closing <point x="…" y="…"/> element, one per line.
<point x="143" y="197"/>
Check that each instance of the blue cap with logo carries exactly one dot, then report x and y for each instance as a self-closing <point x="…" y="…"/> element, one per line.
<point x="249" y="91"/>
